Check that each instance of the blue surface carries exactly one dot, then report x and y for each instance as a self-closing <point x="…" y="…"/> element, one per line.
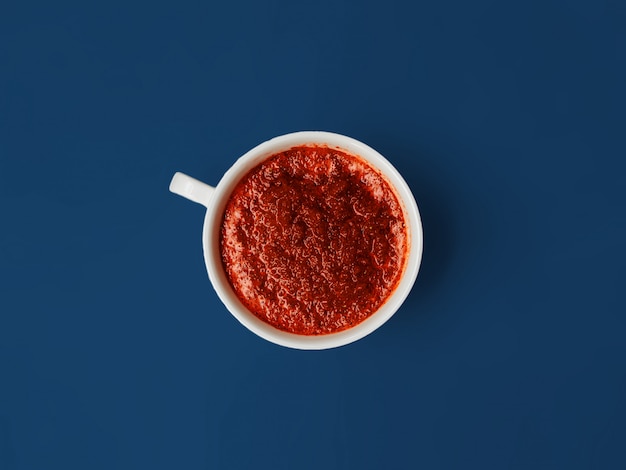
<point x="507" y="120"/>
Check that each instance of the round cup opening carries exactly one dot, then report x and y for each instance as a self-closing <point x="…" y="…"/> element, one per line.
<point x="213" y="220"/>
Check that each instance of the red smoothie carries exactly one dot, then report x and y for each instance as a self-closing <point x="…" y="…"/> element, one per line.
<point x="313" y="240"/>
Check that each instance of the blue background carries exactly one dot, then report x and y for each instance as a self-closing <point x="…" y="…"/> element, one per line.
<point x="508" y="121"/>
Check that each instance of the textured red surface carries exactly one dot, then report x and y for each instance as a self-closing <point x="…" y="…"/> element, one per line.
<point x="313" y="240"/>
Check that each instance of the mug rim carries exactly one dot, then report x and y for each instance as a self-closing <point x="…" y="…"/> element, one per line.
<point x="213" y="220"/>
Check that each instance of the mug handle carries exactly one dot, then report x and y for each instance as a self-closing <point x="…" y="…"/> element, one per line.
<point x="192" y="189"/>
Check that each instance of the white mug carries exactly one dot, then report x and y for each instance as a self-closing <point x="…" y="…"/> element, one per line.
<point x="215" y="198"/>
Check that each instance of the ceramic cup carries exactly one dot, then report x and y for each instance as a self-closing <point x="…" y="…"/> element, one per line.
<point x="215" y="198"/>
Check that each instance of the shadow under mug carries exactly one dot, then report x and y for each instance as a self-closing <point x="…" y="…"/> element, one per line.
<point x="215" y="199"/>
